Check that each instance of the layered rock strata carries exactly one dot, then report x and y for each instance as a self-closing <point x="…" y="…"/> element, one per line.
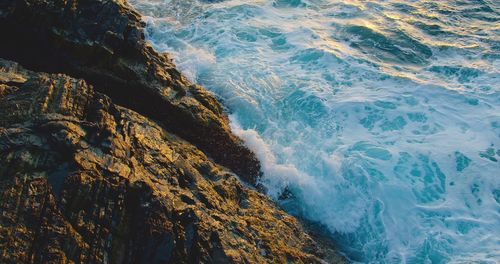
<point x="109" y="155"/>
<point x="83" y="180"/>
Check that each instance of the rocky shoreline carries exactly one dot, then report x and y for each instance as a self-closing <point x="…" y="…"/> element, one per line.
<point x="110" y="155"/>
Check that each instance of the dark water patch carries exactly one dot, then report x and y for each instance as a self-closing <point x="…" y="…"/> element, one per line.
<point x="280" y="43"/>
<point x="461" y="161"/>
<point x="397" y="47"/>
<point x="431" y="29"/>
<point x="288" y="3"/>
<point x="308" y="55"/>
<point x="246" y="36"/>
<point x="483" y="16"/>
<point x="417" y="117"/>
<point x="238" y="12"/>
<point x="496" y="195"/>
<point x="405" y="8"/>
<point x="463" y="74"/>
<point x="460" y="10"/>
<point x="489" y="154"/>
<point x="270" y="32"/>
<point x="440" y="8"/>
<point x="480" y="10"/>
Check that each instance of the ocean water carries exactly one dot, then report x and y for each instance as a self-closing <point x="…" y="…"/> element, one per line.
<point x="378" y="119"/>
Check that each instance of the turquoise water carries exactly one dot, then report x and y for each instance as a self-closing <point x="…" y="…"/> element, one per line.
<point x="379" y="119"/>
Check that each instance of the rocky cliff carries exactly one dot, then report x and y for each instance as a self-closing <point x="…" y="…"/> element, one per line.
<point x="114" y="157"/>
<point x="103" y="42"/>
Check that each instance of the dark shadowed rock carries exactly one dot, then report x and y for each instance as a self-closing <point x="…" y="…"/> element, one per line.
<point x="83" y="180"/>
<point x="102" y="41"/>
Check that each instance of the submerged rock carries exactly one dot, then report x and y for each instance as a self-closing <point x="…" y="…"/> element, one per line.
<point x="84" y="180"/>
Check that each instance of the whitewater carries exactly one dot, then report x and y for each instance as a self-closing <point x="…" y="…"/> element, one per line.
<point x="378" y="119"/>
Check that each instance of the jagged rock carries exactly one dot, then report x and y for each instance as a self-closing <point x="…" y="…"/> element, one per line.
<point x="83" y="180"/>
<point x="102" y="41"/>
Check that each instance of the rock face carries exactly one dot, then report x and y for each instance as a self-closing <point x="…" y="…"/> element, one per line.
<point x="114" y="157"/>
<point x="103" y="42"/>
<point x="86" y="181"/>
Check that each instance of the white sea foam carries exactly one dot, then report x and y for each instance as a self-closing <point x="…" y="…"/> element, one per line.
<point x="380" y="120"/>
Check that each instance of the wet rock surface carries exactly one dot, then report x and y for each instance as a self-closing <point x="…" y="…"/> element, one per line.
<point x="83" y="180"/>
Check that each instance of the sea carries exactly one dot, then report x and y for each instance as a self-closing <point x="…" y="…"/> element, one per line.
<point x="378" y="120"/>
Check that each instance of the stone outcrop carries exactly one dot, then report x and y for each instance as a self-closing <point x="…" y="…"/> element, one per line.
<point x="109" y="155"/>
<point x="83" y="180"/>
<point x="102" y="41"/>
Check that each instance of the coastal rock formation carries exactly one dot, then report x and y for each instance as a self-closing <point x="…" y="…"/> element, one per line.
<point x="102" y="41"/>
<point x="109" y="155"/>
<point x="83" y="180"/>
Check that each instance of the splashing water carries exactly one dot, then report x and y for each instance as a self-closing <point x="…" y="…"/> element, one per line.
<point x="379" y="119"/>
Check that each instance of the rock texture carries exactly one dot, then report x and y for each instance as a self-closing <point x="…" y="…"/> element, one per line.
<point x="112" y="156"/>
<point x="83" y="180"/>
<point x="102" y="41"/>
